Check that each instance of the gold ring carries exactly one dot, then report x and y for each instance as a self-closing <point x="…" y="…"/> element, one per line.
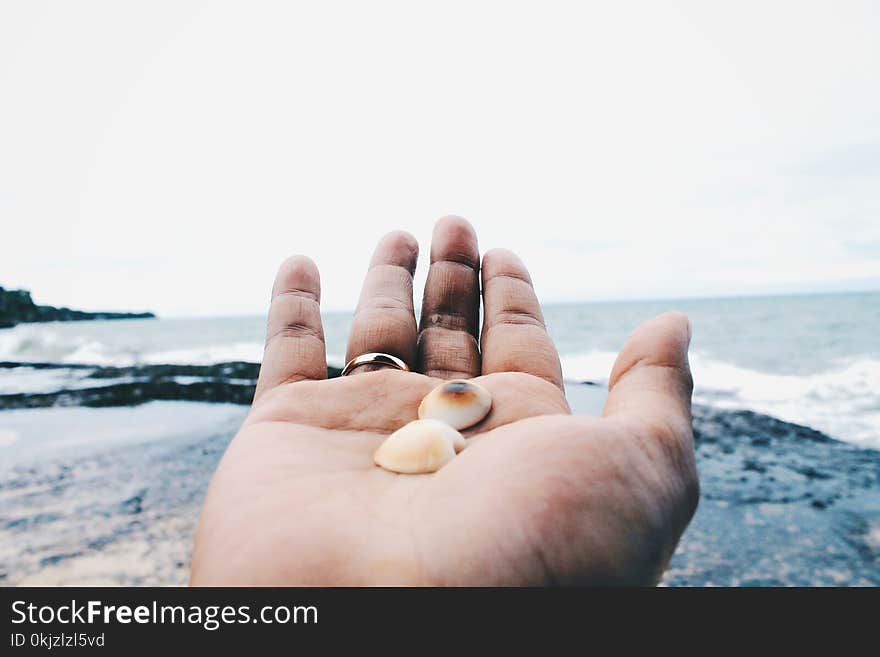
<point x="374" y="358"/>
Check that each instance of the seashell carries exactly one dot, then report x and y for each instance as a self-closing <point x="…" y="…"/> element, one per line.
<point x="458" y="403"/>
<point x="420" y="446"/>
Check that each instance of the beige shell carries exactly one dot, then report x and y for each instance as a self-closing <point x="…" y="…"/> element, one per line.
<point x="458" y="403"/>
<point x="418" y="447"/>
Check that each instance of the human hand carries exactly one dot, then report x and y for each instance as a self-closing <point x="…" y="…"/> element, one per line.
<point x="538" y="496"/>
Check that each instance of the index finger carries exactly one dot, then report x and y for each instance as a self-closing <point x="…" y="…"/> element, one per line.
<point x="514" y="338"/>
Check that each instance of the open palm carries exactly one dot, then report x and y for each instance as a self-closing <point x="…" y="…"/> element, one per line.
<point x="538" y="496"/>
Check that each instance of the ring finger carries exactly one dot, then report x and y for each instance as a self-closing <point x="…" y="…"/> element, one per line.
<point x="384" y="320"/>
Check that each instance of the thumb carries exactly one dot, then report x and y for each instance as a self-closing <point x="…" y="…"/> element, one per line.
<point x="651" y="379"/>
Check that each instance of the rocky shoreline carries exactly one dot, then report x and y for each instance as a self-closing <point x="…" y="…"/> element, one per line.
<point x="16" y="307"/>
<point x="111" y="495"/>
<point x="98" y="386"/>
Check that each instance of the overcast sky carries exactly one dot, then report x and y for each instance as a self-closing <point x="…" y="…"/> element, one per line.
<point x="167" y="156"/>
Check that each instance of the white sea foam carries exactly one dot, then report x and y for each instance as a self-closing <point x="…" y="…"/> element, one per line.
<point x="94" y="352"/>
<point x="251" y="352"/>
<point x="43" y="343"/>
<point x="17" y="344"/>
<point x="843" y="402"/>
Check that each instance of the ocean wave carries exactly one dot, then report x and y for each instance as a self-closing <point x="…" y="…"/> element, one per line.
<point x="28" y="344"/>
<point x="45" y="344"/>
<point x="843" y="402"/>
<point x="249" y="352"/>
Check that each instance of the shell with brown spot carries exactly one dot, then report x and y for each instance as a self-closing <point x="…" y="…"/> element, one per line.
<point x="458" y="403"/>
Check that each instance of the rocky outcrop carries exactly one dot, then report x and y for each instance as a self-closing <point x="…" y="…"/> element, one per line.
<point x="16" y="307"/>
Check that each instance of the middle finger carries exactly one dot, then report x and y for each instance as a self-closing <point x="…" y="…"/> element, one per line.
<point x="449" y="326"/>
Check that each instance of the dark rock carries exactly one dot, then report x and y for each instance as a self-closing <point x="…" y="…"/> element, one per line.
<point x="16" y="307"/>
<point x="32" y="521"/>
<point x="134" y="504"/>
<point x="233" y="370"/>
<point x="811" y="473"/>
<point x="101" y="542"/>
<point x="754" y="466"/>
<point x="55" y="558"/>
<point x="231" y="383"/>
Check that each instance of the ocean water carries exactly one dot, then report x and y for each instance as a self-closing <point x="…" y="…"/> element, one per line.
<point x="810" y="359"/>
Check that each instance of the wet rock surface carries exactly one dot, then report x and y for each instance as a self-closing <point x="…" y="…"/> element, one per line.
<point x="111" y="495"/>
<point x="127" y="386"/>
<point x="781" y="505"/>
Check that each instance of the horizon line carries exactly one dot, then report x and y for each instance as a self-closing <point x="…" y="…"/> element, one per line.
<point x="596" y="301"/>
